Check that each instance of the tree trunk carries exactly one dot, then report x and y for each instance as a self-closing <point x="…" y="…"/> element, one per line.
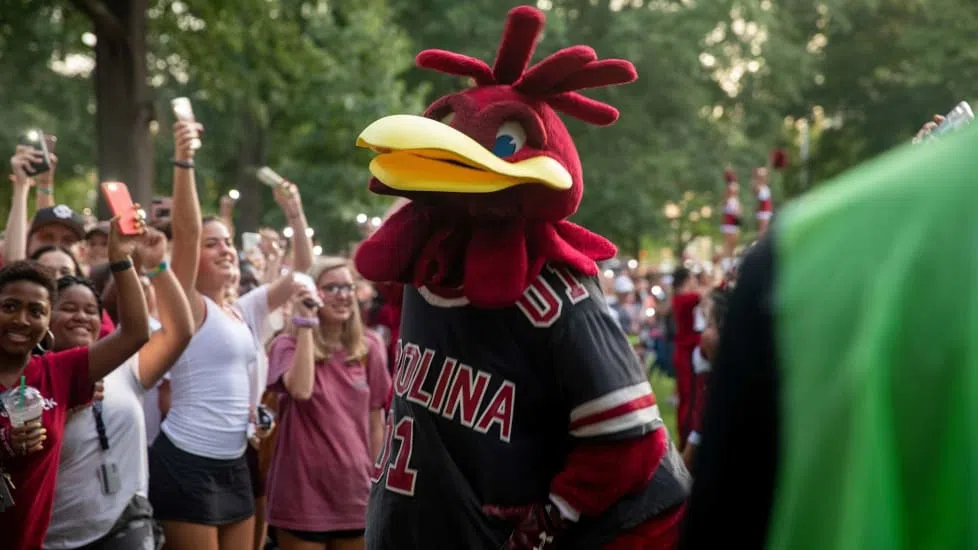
<point x="122" y="96"/>
<point x="251" y="156"/>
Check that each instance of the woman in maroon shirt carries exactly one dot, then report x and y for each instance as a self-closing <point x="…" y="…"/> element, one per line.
<point x="334" y="384"/>
<point x="29" y="454"/>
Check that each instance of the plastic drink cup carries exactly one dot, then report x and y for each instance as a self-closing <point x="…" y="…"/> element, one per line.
<point x="21" y="411"/>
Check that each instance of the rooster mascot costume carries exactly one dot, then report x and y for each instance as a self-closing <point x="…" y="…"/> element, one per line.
<point x="521" y="418"/>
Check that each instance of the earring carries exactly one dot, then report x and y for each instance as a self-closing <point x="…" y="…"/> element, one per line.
<point x="50" y="339"/>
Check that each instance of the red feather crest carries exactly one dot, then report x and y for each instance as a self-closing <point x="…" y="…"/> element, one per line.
<point x="556" y="79"/>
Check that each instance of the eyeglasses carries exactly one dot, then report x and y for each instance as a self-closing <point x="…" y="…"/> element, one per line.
<point x="336" y="288"/>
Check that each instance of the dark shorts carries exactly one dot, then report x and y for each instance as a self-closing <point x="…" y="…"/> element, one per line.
<point x="196" y="489"/>
<point x="324" y="536"/>
<point x="257" y="482"/>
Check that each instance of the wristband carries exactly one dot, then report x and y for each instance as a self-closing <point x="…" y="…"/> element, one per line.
<point x="157" y="270"/>
<point x="45" y="190"/>
<point x="303" y="322"/>
<point x="120" y="266"/>
<point x="188" y="164"/>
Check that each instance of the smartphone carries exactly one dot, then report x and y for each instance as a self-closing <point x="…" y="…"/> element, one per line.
<point x="265" y="417"/>
<point x="306" y="281"/>
<point x="36" y="139"/>
<point x="250" y="241"/>
<point x="120" y="203"/>
<point x="184" y="111"/>
<point x="268" y="176"/>
<point x="959" y="117"/>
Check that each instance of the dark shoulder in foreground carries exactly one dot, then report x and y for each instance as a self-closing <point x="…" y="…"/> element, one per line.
<point x="734" y="489"/>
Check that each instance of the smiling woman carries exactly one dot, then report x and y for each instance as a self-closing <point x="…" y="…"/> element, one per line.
<point x="29" y="451"/>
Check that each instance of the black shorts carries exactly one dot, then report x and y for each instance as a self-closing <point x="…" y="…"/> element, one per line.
<point x="257" y="482"/>
<point x="196" y="489"/>
<point x="322" y="537"/>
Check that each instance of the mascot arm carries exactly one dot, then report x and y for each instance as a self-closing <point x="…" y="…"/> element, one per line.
<point x="614" y="421"/>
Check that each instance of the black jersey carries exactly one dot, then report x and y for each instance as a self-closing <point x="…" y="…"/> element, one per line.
<point x="489" y="402"/>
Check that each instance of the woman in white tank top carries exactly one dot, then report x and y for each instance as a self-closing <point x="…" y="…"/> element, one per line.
<point x="199" y="482"/>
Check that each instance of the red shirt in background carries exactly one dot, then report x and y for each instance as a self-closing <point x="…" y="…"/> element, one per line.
<point x="684" y="314"/>
<point x="108" y="327"/>
<point x="62" y="378"/>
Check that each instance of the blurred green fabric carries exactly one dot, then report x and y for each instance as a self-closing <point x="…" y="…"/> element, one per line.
<point x="876" y="308"/>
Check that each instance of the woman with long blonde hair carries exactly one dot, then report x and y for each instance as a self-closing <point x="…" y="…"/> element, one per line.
<point x="334" y="383"/>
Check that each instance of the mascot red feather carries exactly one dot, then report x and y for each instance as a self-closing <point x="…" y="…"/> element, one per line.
<point x="521" y="417"/>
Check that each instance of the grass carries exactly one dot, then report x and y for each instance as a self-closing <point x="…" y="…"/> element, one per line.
<point x="663" y="386"/>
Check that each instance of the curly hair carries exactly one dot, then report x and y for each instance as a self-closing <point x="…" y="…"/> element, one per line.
<point x="31" y="271"/>
<point x="70" y="281"/>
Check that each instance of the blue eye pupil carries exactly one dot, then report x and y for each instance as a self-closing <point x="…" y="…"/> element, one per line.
<point x="505" y="145"/>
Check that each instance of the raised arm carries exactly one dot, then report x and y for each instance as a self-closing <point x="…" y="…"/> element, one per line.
<point x="15" y="244"/>
<point x="44" y="185"/>
<point x="165" y="345"/>
<point x="133" y="329"/>
<point x="281" y="288"/>
<point x="186" y="219"/>
<point x="300" y="377"/>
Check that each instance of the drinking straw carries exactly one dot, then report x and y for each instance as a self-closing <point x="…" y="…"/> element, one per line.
<point x="23" y="390"/>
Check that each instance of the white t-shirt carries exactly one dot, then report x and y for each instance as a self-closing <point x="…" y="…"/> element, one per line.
<point x="82" y="513"/>
<point x="211" y="387"/>
<point x="151" y="399"/>
<point x="253" y="307"/>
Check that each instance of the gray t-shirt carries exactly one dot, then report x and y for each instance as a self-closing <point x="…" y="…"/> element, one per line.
<point x="82" y="513"/>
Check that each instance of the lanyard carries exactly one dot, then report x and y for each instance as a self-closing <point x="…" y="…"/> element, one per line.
<point x="103" y="439"/>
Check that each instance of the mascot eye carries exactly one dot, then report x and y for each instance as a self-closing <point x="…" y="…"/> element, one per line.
<point x="510" y="138"/>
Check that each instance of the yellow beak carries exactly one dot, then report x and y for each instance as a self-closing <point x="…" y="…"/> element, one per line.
<point x="421" y="154"/>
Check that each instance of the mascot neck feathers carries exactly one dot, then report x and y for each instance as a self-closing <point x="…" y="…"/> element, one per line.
<point x="491" y="172"/>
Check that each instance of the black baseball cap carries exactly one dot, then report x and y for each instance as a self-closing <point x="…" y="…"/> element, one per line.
<point x="60" y="214"/>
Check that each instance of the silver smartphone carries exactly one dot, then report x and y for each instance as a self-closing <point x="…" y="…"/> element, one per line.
<point x="269" y="177"/>
<point x="184" y="111"/>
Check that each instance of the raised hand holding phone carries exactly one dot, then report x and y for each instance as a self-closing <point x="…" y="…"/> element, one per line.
<point x="184" y="112"/>
<point x="35" y="139"/>
<point x="132" y="219"/>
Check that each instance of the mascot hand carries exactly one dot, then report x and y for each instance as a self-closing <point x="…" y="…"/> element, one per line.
<point x="538" y="527"/>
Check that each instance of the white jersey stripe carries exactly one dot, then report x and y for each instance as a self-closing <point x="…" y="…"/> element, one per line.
<point x="632" y="420"/>
<point x="610" y="400"/>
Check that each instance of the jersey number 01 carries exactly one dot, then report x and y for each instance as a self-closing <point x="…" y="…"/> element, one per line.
<point x="401" y="478"/>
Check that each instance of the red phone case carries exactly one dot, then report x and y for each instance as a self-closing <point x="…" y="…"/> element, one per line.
<point x="120" y="203"/>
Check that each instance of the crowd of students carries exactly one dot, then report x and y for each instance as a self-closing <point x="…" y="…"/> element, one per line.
<point x="188" y="394"/>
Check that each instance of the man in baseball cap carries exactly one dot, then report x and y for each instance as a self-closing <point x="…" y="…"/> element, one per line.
<point x="55" y="226"/>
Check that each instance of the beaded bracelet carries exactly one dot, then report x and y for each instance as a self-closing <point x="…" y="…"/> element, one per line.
<point x="303" y="322"/>
<point x="157" y="270"/>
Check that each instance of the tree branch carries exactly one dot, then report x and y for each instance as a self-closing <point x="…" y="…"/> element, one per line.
<point x="106" y="23"/>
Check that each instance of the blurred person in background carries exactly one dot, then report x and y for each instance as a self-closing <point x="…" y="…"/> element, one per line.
<point x="97" y="244"/>
<point x="334" y="384"/>
<point x="686" y="297"/>
<point x="732" y="218"/>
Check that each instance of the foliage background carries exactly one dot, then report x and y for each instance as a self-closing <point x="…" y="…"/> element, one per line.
<point x="290" y="83"/>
